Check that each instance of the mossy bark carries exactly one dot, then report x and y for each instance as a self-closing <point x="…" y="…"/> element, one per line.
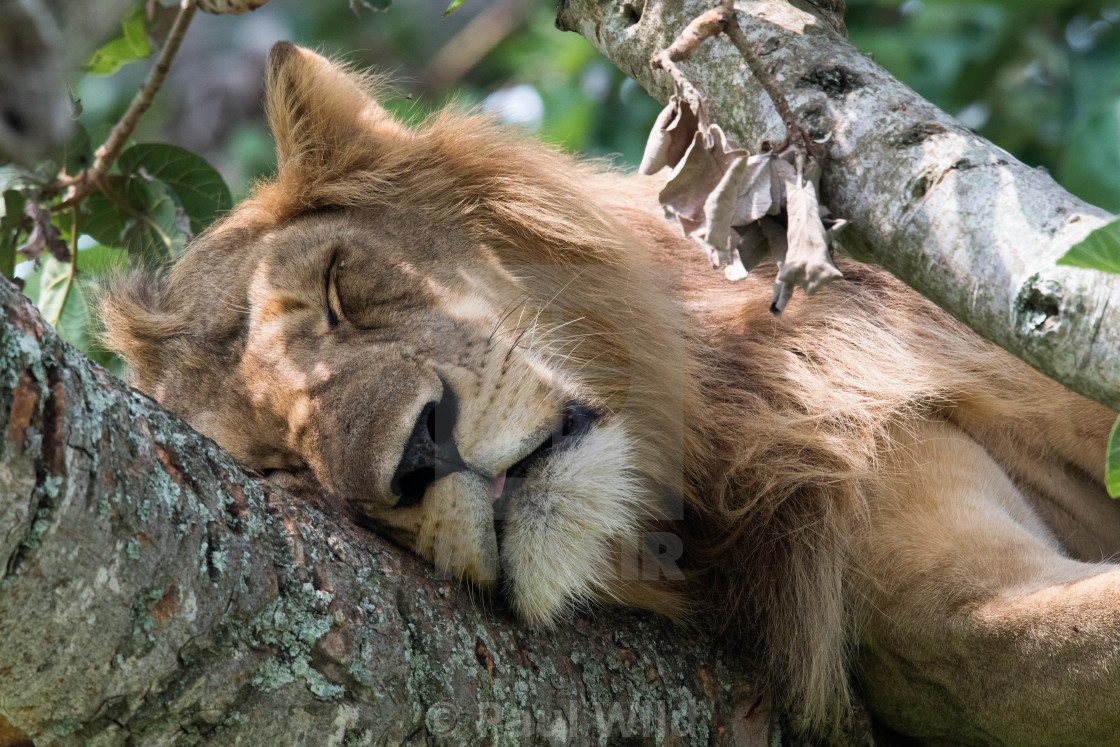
<point x="153" y="592"/>
<point x="946" y="211"/>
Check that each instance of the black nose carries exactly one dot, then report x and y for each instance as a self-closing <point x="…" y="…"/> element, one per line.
<point x="430" y="453"/>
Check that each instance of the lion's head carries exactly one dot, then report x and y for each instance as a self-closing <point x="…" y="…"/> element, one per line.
<point x="444" y="327"/>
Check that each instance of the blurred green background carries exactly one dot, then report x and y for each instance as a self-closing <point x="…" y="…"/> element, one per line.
<point x="1041" y="78"/>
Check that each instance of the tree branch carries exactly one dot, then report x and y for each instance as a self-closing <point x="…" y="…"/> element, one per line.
<point x="949" y="213"/>
<point x="84" y="182"/>
<point x="152" y="592"/>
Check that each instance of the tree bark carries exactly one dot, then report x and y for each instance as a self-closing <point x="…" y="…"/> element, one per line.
<point x="946" y="211"/>
<point x="153" y="592"/>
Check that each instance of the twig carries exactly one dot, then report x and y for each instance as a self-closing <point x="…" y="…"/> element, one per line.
<point x="84" y="182"/>
<point x="702" y="28"/>
<point x="768" y="82"/>
<point x="722" y="19"/>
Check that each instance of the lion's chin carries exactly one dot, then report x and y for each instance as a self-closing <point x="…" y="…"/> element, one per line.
<point x="565" y="523"/>
<point x="458" y="532"/>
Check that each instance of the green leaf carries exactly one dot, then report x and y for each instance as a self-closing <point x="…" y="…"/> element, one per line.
<point x="136" y="214"/>
<point x="67" y="302"/>
<point x="1100" y="250"/>
<point x="131" y="45"/>
<point x="198" y="187"/>
<point x="31" y="282"/>
<point x="99" y="260"/>
<point x="55" y="296"/>
<point x="453" y="7"/>
<point x="8" y="254"/>
<point x="10" y="221"/>
<point x="78" y="153"/>
<point x="1112" y="462"/>
<point x="13" y="216"/>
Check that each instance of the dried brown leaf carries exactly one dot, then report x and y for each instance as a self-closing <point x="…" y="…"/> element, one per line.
<point x="43" y="235"/>
<point x="656" y="155"/>
<point x="750" y="190"/>
<point x="775" y="232"/>
<point x="33" y="247"/>
<point x="739" y="207"/>
<point x="695" y="178"/>
<point x="834" y="226"/>
<point x="690" y="182"/>
<point x="808" y="262"/>
<point x="753" y="246"/>
<point x="682" y="128"/>
<point x="778" y="300"/>
<point x="734" y="270"/>
<point x="782" y="171"/>
<point x="670" y="137"/>
<point x="692" y="229"/>
<point x="755" y="190"/>
<point x="719" y="209"/>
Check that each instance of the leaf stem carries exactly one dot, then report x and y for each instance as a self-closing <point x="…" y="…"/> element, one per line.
<point x="75" y="213"/>
<point x="702" y="28"/>
<point x="140" y="215"/>
<point x="767" y="80"/>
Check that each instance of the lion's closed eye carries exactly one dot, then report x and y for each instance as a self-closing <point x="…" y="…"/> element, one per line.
<point x="364" y="291"/>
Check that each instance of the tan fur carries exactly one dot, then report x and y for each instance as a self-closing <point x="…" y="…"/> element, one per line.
<point x="862" y="486"/>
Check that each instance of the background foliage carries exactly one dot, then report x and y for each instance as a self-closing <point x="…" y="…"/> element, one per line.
<point x="1039" y="77"/>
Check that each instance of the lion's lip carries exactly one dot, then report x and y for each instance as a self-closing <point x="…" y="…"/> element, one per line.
<point x="506" y="481"/>
<point x="512" y="484"/>
<point x="576" y="423"/>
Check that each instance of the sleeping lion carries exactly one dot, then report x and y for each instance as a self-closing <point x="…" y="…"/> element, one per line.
<point x="508" y="362"/>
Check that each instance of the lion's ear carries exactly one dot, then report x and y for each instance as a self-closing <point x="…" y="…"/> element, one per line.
<point x="323" y="116"/>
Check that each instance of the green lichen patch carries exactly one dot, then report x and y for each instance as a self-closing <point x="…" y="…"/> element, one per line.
<point x="291" y="625"/>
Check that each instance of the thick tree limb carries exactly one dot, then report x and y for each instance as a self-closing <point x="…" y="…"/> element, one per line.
<point x="152" y="592"/>
<point x="949" y="213"/>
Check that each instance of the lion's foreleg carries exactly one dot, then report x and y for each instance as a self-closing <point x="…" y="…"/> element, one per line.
<point x="976" y="627"/>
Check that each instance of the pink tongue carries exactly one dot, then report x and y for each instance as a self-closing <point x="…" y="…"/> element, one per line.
<point x="497" y="486"/>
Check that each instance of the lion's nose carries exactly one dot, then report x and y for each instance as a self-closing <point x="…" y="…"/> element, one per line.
<point x="430" y="452"/>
